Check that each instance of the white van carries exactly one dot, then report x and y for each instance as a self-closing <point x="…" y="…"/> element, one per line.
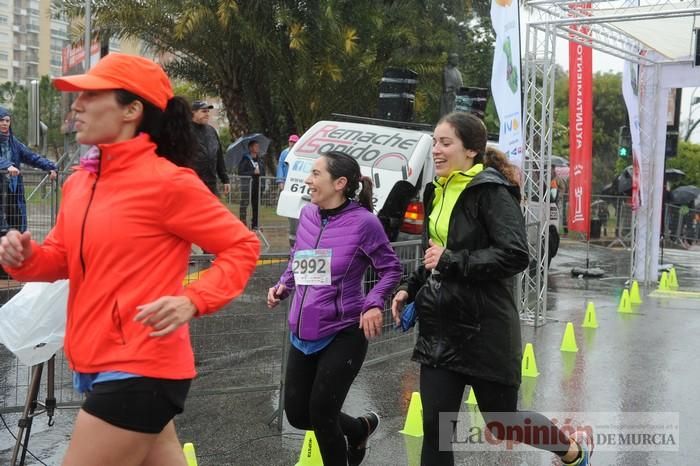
<point x="396" y="156"/>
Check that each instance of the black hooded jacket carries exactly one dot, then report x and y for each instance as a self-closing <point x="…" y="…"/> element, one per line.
<point x="467" y="314"/>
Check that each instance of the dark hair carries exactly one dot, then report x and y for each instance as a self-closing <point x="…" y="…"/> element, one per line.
<point x="251" y="142"/>
<point x="341" y="164"/>
<point x="472" y="132"/>
<point x="170" y="130"/>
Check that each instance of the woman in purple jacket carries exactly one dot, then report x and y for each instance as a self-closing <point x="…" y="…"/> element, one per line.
<point x="330" y="318"/>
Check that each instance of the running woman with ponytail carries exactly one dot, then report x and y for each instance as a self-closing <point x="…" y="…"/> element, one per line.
<point x="330" y="319"/>
<point x="123" y="233"/>
<point x="469" y="329"/>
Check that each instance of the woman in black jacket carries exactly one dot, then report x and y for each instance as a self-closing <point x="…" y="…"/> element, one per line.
<point x="469" y="332"/>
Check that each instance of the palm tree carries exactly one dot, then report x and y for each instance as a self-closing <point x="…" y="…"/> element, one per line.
<point x="280" y="65"/>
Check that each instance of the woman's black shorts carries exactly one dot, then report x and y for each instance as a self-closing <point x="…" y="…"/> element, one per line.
<point x="140" y="404"/>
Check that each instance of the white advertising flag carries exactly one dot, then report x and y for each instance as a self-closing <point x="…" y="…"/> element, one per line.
<point x="630" y="92"/>
<point x="506" y="77"/>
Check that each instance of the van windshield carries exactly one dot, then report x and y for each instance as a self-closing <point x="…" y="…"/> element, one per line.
<point x="389" y="148"/>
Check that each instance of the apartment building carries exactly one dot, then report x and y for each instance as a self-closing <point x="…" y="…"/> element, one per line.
<point x="31" y="42"/>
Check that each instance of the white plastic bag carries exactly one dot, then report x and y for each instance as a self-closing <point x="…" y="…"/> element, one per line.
<point x="33" y="322"/>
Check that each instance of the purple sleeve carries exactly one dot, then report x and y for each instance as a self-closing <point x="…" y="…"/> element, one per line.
<point x="287" y="278"/>
<point x="384" y="260"/>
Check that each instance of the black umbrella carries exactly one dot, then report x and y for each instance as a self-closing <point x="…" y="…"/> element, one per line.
<point x="623" y="182"/>
<point x="673" y="174"/>
<point x="685" y="195"/>
<point x="235" y="151"/>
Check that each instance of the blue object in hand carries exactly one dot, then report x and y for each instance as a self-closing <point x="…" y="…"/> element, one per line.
<point x="408" y="317"/>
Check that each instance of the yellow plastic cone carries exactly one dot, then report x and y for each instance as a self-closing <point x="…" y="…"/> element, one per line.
<point x="529" y="364"/>
<point x="673" y="279"/>
<point x="625" y="304"/>
<point x="471" y="399"/>
<point x="635" y="297"/>
<point x="590" y="321"/>
<point x="190" y="456"/>
<point x="568" y="343"/>
<point x="663" y="283"/>
<point x="414" y="418"/>
<point x="310" y="455"/>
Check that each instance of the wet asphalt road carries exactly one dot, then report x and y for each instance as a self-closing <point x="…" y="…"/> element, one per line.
<point x="641" y="362"/>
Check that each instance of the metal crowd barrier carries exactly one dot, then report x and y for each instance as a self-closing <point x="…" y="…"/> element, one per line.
<point x="41" y="198"/>
<point x="611" y="222"/>
<point x="681" y="225"/>
<point x="611" y="219"/>
<point x="272" y="229"/>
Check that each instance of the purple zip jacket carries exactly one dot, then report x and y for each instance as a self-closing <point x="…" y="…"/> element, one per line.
<point x="357" y="241"/>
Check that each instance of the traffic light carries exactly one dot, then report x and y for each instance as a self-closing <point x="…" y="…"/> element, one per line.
<point x="624" y="142"/>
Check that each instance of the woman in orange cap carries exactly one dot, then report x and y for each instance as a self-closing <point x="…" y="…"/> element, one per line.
<point x="123" y="234"/>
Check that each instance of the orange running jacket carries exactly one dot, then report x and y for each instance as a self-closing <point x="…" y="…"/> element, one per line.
<point x="123" y="238"/>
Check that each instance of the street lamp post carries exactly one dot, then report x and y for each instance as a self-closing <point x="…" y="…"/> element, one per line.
<point x="87" y="46"/>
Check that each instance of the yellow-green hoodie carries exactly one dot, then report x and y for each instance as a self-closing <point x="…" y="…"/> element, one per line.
<point x="447" y="191"/>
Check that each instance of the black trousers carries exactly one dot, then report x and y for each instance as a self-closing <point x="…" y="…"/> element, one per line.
<point x="442" y="390"/>
<point x="250" y="193"/>
<point x="315" y="389"/>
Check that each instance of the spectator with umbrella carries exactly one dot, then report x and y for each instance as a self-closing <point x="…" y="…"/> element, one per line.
<point x="684" y="197"/>
<point x="236" y="150"/>
<point x="250" y="169"/>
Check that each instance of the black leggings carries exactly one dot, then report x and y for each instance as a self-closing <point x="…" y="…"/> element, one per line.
<point x="441" y="390"/>
<point x="315" y="389"/>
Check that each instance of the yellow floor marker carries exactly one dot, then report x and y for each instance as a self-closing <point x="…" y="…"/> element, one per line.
<point x="635" y="297"/>
<point x="673" y="279"/>
<point x="414" y="419"/>
<point x="190" y="456"/>
<point x="590" y="320"/>
<point x="471" y="399"/>
<point x="625" y="305"/>
<point x="568" y="343"/>
<point x="529" y="365"/>
<point x="310" y="455"/>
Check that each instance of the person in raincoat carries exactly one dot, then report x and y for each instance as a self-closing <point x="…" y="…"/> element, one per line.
<point x="12" y="155"/>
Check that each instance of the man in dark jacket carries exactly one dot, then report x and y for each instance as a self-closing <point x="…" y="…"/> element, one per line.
<point x="13" y="212"/>
<point x="209" y="160"/>
<point x="250" y="169"/>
